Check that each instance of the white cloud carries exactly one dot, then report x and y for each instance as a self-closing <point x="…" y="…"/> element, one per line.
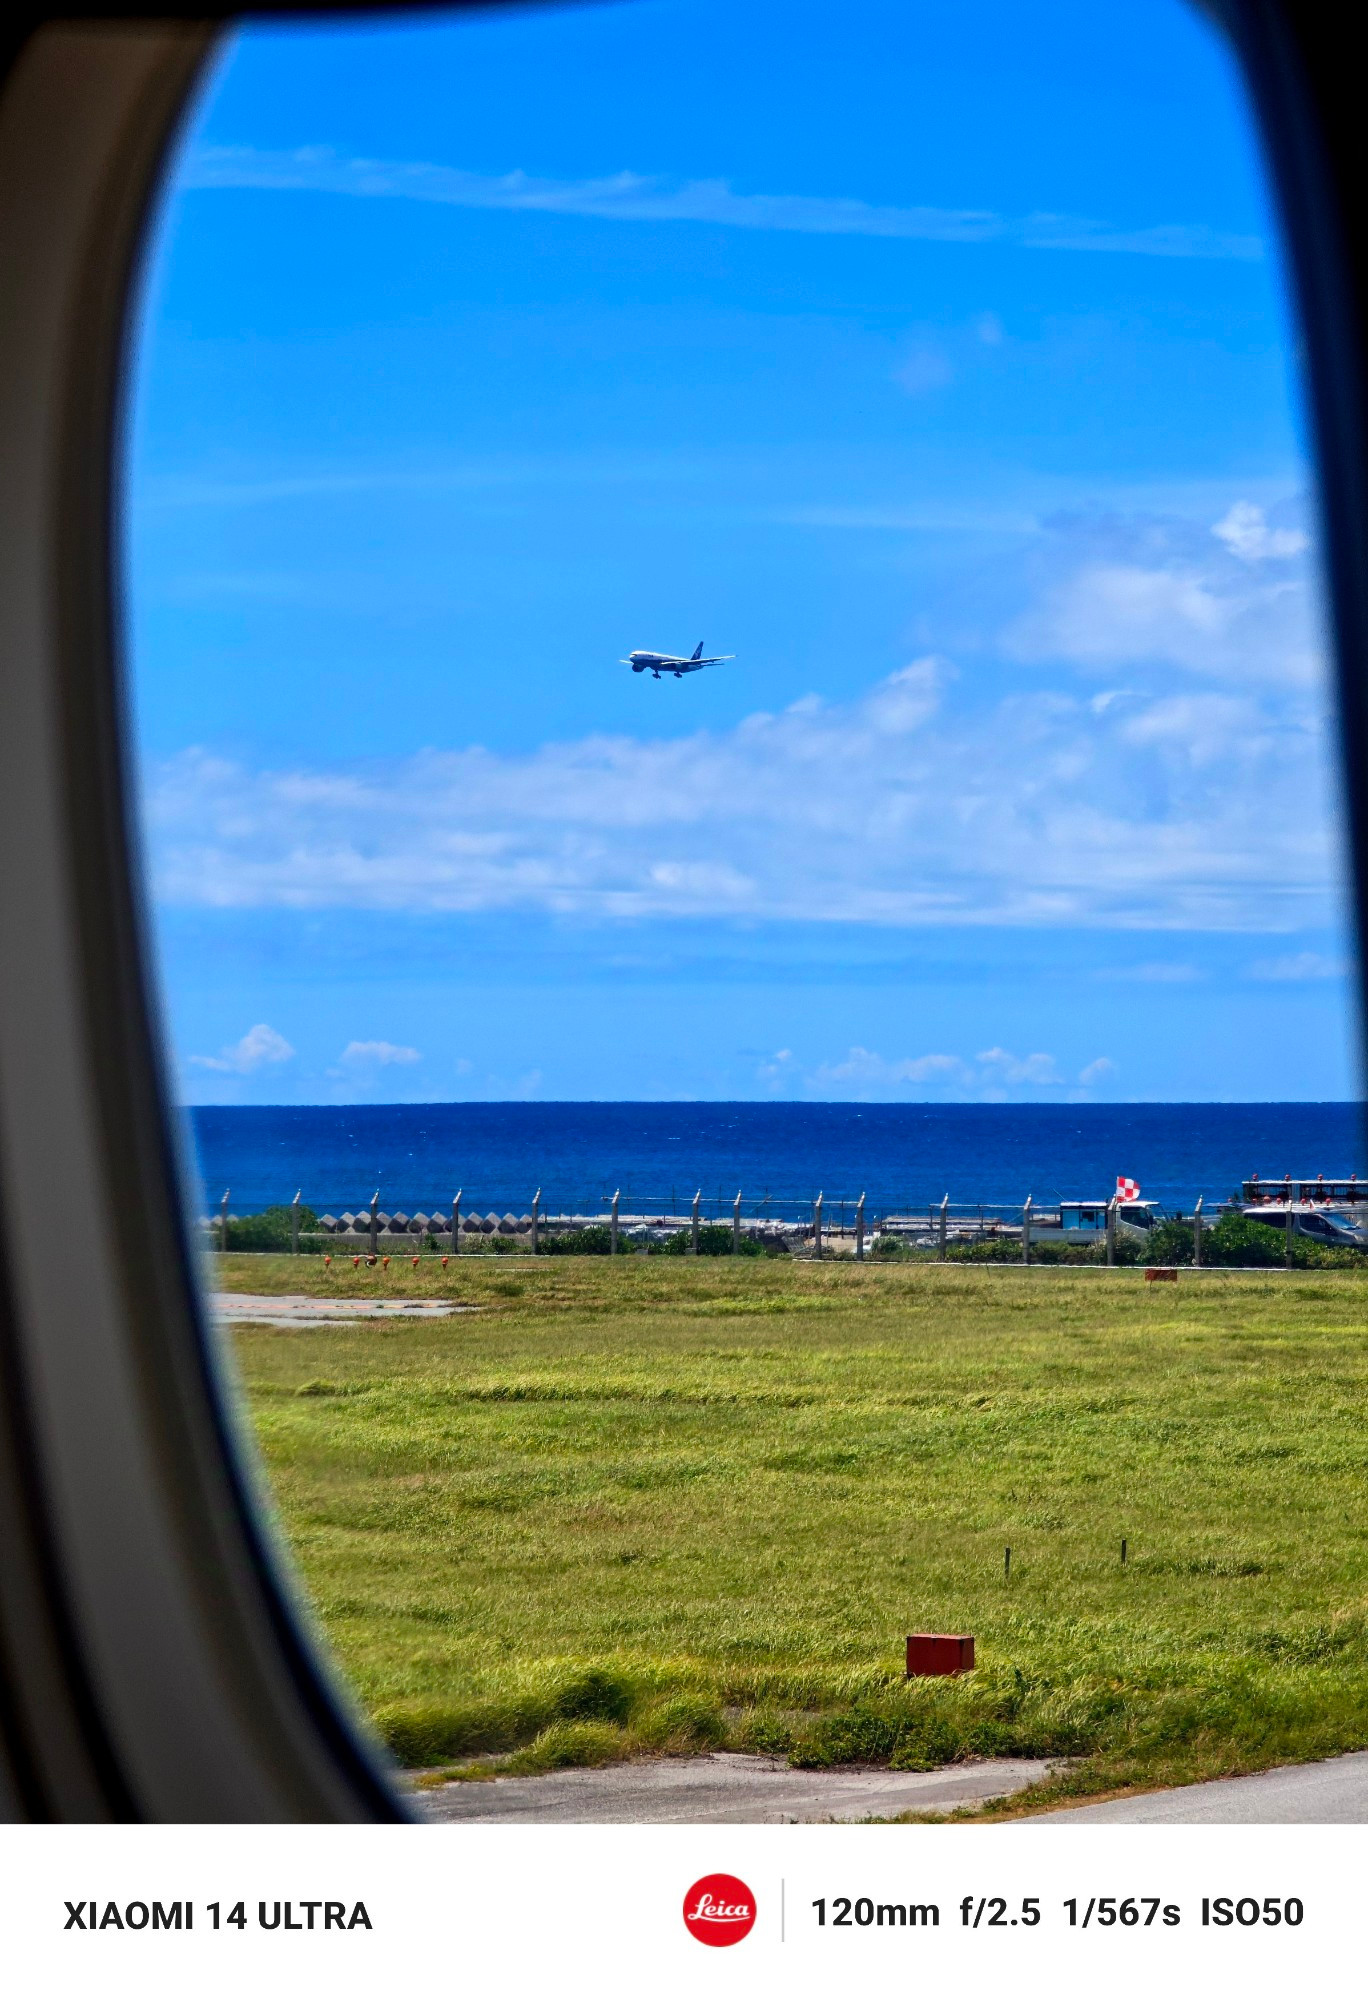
<point x="1157" y="972"/>
<point x="631" y="197"/>
<point x="1246" y="533"/>
<point x="1301" y="966"/>
<point x="995" y="1075"/>
<point x="1155" y="593"/>
<point x="1097" y="1072"/>
<point x="259" y="1046"/>
<point x="1040" y="1069"/>
<point x="378" y="1054"/>
<point x="887" y="809"/>
<point x="929" y="798"/>
<point x="866" y="1070"/>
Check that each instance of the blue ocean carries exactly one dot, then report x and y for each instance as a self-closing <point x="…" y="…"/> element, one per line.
<point x="903" y="1156"/>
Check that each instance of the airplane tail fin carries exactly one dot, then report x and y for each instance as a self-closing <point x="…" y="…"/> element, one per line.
<point x="698" y="650"/>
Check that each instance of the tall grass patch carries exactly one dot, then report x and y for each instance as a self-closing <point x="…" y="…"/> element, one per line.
<point x="729" y="1487"/>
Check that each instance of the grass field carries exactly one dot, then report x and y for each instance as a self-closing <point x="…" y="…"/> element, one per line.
<point x="646" y="1504"/>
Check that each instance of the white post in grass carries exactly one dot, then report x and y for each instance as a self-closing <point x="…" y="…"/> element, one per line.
<point x="1287" y="1234"/>
<point x="456" y="1221"/>
<point x="1026" y="1230"/>
<point x="817" y="1226"/>
<point x="1197" y="1234"/>
<point x="944" y="1218"/>
<point x="696" y="1199"/>
<point x="294" y="1224"/>
<point x="1111" y="1232"/>
<point x="613" y="1223"/>
<point x="736" y="1224"/>
<point x="374" y="1232"/>
<point x="223" y="1219"/>
<point x="859" y="1229"/>
<point x="536" y="1203"/>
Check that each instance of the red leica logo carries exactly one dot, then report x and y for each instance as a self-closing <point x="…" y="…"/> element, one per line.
<point x="719" y="1909"/>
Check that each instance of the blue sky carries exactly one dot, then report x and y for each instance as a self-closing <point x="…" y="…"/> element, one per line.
<point x="939" y="368"/>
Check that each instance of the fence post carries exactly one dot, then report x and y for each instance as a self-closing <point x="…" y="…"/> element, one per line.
<point x="1026" y="1230"/>
<point x="294" y="1224"/>
<point x="1111" y="1232"/>
<point x="859" y="1229"/>
<point x="817" y="1226"/>
<point x="613" y="1223"/>
<point x="944" y="1217"/>
<point x="736" y="1224"/>
<point x="1197" y="1234"/>
<point x="536" y="1202"/>
<point x="696" y="1199"/>
<point x="374" y="1234"/>
<point x="1287" y="1235"/>
<point x="223" y="1220"/>
<point x="456" y="1222"/>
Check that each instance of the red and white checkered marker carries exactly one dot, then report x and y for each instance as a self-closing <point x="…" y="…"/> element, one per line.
<point x="1127" y="1190"/>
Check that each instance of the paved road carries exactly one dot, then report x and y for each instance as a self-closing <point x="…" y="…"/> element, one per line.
<point x="1334" y="1793"/>
<point x="721" y="1789"/>
<point x="247" y="1307"/>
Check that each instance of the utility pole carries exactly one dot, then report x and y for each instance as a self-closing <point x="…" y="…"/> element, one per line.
<point x="375" y="1203"/>
<point x="1026" y="1230"/>
<point x="223" y="1220"/>
<point x="696" y="1199"/>
<point x="736" y="1224"/>
<point x="1111" y="1232"/>
<point x="944" y="1219"/>
<point x="859" y="1229"/>
<point x="536" y="1202"/>
<point x="1197" y="1234"/>
<point x="294" y="1224"/>
<point x="817" y="1226"/>
<point x="613" y="1223"/>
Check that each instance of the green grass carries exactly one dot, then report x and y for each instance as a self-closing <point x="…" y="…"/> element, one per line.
<point x="652" y="1504"/>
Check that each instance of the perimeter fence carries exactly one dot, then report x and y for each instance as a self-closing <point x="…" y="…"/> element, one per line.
<point x="704" y="1223"/>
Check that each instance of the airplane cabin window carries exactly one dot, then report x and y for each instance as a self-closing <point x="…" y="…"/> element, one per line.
<point x="737" y="775"/>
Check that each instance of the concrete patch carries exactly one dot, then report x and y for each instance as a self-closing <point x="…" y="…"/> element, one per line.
<point x="241" y="1307"/>
<point x="722" y="1789"/>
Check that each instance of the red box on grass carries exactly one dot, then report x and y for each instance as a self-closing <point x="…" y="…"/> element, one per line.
<point x="930" y="1654"/>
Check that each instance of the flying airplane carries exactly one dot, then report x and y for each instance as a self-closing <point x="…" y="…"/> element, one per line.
<point x="668" y="662"/>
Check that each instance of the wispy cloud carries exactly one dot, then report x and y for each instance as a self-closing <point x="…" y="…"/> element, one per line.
<point x="1299" y="967"/>
<point x="631" y="197"/>
<point x="378" y="1054"/>
<point x="1156" y="972"/>
<point x="994" y="1075"/>
<point x="259" y="1046"/>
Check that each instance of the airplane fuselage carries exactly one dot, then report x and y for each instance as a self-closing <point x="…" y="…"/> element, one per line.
<point x="669" y="662"/>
